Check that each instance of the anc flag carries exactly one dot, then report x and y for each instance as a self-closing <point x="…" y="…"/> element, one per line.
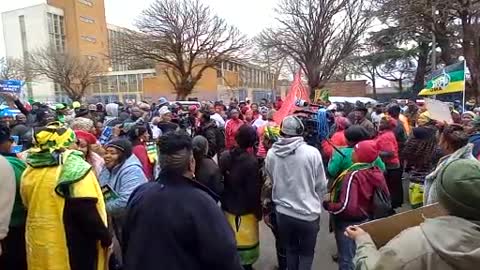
<point x="450" y="79"/>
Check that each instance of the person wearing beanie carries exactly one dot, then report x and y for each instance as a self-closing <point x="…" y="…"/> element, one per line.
<point x="85" y="143"/>
<point x="447" y="242"/>
<point x="207" y="171"/>
<point x="120" y="176"/>
<point x="299" y="184"/>
<point x="351" y="196"/>
<point x="342" y="159"/>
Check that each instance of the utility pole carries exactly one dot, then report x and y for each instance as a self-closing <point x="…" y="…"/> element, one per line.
<point x="434" y="40"/>
<point x="434" y="44"/>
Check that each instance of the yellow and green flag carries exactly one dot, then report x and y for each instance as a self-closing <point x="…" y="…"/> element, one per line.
<point x="450" y="79"/>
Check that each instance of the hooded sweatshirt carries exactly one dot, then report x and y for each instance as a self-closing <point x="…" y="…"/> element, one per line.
<point x="298" y="176"/>
<point x="442" y="243"/>
<point x="7" y="196"/>
<point x="112" y="113"/>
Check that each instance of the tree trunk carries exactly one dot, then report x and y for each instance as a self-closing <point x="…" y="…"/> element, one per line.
<point x="419" y="81"/>
<point x="444" y="43"/>
<point x="471" y="51"/>
<point x="400" y="85"/>
<point x="374" y="86"/>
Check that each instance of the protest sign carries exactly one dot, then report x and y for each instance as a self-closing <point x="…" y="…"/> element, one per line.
<point x="385" y="229"/>
<point x="11" y="86"/>
<point x="439" y="110"/>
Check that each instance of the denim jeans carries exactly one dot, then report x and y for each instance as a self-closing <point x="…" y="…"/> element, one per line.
<point x="299" y="238"/>
<point x="346" y="247"/>
<point x="279" y="246"/>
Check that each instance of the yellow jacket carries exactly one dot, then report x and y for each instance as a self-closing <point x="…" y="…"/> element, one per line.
<point x="45" y="233"/>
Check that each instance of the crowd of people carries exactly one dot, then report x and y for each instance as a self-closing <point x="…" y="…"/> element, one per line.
<point x="163" y="186"/>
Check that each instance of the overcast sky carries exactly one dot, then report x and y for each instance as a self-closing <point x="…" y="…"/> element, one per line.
<point x="250" y="16"/>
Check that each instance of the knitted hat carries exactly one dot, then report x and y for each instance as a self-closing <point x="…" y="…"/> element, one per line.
<point x="356" y="133"/>
<point x="458" y="188"/>
<point x="365" y="152"/>
<point x="292" y="126"/>
<point x="87" y="136"/>
<point x="200" y="145"/>
<point x="123" y="145"/>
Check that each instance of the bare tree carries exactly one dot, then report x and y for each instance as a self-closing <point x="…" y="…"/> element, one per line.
<point x="271" y="59"/>
<point x="12" y="69"/>
<point x="319" y="34"/>
<point x="468" y="11"/>
<point x="73" y="73"/>
<point x="186" y="39"/>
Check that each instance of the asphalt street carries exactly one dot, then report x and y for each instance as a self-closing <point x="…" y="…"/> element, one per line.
<point x="323" y="251"/>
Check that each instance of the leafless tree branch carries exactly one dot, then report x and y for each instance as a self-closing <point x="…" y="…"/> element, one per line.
<point x="185" y="37"/>
<point x="73" y="73"/>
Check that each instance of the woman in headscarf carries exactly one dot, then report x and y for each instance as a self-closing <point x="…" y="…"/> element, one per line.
<point x="85" y="142"/>
<point x="139" y="137"/>
<point x="241" y="195"/>
<point x="66" y="219"/>
<point x="120" y="176"/>
<point x="338" y="138"/>
<point x="207" y="171"/>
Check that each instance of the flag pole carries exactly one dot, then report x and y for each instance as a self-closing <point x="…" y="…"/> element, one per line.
<point x="464" y="83"/>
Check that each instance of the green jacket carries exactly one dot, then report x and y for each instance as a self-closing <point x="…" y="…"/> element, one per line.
<point x="338" y="163"/>
<point x="19" y="212"/>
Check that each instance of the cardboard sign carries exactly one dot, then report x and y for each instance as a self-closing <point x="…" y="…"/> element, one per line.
<point x="385" y="229"/>
<point x="439" y="110"/>
<point x="11" y="86"/>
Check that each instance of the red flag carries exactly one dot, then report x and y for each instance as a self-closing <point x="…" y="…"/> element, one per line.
<point x="297" y="91"/>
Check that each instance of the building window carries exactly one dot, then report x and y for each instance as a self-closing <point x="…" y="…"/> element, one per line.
<point x="89" y="38"/>
<point x="87" y="19"/>
<point x="56" y="30"/>
<point x="86" y="2"/>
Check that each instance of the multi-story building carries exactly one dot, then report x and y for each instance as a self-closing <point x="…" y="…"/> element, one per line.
<point x="78" y="26"/>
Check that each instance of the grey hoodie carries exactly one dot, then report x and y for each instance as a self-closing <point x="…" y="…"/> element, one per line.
<point x="443" y="243"/>
<point x="298" y="176"/>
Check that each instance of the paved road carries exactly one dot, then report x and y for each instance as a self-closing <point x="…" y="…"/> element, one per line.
<point x="325" y="248"/>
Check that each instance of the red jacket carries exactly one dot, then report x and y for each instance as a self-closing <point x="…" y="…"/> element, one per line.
<point x="231" y="128"/>
<point x="356" y="194"/>
<point x="338" y="139"/>
<point x="140" y="151"/>
<point x="386" y="142"/>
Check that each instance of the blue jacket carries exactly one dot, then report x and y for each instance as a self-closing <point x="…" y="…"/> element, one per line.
<point x="123" y="179"/>
<point x="475" y="139"/>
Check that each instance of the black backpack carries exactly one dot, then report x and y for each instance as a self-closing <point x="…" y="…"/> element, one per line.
<point x="382" y="204"/>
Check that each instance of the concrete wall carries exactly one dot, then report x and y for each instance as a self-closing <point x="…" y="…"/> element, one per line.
<point x="347" y="88"/>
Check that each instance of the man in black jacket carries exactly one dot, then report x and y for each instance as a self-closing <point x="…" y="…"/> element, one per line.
<point x="208" y="129"/>
<point x="173" y="223"/>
